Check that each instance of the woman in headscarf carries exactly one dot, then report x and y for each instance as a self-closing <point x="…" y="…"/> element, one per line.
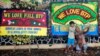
<point x="81" y="42"/>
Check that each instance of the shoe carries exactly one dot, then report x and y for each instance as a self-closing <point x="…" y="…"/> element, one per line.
<point x="85" y="52"/>
<point x="65" y="52"/>
<point x="78" y="51"/>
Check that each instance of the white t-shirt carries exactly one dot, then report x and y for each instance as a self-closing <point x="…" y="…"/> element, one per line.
<point x="71" y="34"/>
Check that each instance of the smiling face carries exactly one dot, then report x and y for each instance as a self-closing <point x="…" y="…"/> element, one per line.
<point x="72" y="25"/>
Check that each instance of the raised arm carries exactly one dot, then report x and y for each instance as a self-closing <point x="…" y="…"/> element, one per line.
<point x="86" y="29"/>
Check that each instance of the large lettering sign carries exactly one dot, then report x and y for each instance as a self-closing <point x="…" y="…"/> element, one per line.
<point x="80" y="13"/>
<point x="23" y="22"/>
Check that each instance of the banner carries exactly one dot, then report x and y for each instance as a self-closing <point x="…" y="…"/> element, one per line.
<point x="23" y="22"/>
<point x="80" y="13"/>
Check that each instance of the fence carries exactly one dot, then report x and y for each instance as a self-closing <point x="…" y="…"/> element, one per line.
<point x="42" y="43"/>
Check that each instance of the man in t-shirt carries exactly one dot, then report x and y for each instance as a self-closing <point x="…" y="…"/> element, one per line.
<point x="71" y="36"/>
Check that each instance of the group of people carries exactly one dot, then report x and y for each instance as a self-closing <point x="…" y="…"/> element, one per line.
<point x="76" y="38"/>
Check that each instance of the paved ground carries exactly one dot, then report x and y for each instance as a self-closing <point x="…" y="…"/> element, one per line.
<point x="54" y="52"/>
